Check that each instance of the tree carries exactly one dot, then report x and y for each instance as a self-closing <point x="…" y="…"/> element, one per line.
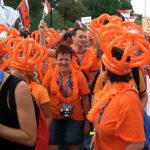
<point x="70" y="9"/>
<point x="125" y="4"/>
<point x="97" y="7"/>
<point x="35" y="5"/>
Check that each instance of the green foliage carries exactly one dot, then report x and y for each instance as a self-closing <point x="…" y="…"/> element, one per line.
<point x="97" y="7"/>
<point x="36" y="10"/>
<point x="70" y="9"/>
<point x="35" y="5"/>
<point x="125" y="4"/>
<point x="57" y="20"/>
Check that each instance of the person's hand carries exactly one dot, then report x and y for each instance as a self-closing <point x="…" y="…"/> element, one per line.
<point x="87" y="127"/>
<point x="91" y="30"/>
<point x="42" y="26"/>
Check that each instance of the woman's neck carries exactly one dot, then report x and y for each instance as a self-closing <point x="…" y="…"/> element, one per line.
<point x="110" y="84"/>
<point x="64" y="73"/>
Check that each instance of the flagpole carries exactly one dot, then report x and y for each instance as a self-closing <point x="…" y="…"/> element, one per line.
<point x="51" y="15"/>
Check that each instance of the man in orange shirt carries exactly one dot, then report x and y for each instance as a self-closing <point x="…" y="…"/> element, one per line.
<point x="84" y="58"/>
<point x="69" y="91"/>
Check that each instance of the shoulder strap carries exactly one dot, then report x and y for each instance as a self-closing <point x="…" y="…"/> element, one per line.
<point x="36" y="108"/>
<point x="14" y="81"/>
<point x="135" y="73"/>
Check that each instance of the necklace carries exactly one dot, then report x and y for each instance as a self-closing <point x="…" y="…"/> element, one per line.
<point x="57" y="86"/>
<point x="103" y="98"/>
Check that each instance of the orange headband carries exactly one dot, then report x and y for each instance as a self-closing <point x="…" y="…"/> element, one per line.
<point x="11" y="33"/>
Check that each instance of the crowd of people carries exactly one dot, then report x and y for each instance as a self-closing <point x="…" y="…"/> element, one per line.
<point x="75" y="89"/>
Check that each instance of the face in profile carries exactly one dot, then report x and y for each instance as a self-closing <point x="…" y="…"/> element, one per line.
<point x="63" y="62"/>
<point x="103" y="73"/>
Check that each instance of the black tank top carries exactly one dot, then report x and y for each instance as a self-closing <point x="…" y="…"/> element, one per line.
<point x="8" y="114"/>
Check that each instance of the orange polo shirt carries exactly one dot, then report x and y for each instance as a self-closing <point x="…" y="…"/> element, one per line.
<point x="76" y="104"/>
<point x="40" y="93"/>
<point x="121" y="123"/>
<point x="89" y="55"/>
<point x="46" y="79"/>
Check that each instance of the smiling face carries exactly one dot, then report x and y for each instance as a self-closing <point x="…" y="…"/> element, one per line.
<point x="80" y="38"/>
<point x="63" y="62"/>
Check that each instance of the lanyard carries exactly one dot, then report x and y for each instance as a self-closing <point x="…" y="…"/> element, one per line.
<point x="81" y="59"/>
<point x="65" y="91"/>
<point x="1" y="76"/>
<point x="102" y="110"/>
<point x="46" y="63"/>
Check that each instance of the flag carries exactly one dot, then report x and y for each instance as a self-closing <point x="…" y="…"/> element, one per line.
<point x="125" y="13"/>
<point x="79" y="24"/>
<point x="47" y="8"/>
<point x="132" y="18"/>
<point x="23" y="10"/>
<point x="2" y="12"/>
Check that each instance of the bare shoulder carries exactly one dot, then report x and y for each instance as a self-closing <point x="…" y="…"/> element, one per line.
<point x="23" y="93"/>
<point x="22" y="87"/>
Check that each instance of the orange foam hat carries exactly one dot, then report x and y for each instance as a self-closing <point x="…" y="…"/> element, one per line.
<point x="137" y="49"/>
<point x="27" y="54"/>
<point x="51" y="37"/>
<point x="10" y="33"/>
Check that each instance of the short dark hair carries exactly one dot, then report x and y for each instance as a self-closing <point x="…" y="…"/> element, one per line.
<point x="118" y="53"/>
<point x="24" y="32"/>
<point x="76" y="29"/>
<point x="64" y="49"/>
<point x="66" y="35"/>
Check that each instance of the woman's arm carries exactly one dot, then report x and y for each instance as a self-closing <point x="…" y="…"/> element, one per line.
<point x="26" y="135"/>
<point x="42" y="30"/>
<point x="46" y="107"/>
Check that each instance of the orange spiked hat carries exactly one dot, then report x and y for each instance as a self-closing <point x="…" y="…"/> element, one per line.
<point x="52" y="37"/>
<point x="27" y="54"/>
<point x="11" y="33"/>
<point x="131" y="49"/>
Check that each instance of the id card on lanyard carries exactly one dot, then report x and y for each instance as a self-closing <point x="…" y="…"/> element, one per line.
<point x="81" y="59"/>
<point x="65" y="91"/>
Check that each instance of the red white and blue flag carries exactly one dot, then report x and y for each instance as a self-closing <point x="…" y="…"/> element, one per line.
<point x="132" y="18"/>
<point x="47" y="8"/>
<point x="23" y="10"/>
<point x="125" y="13"/>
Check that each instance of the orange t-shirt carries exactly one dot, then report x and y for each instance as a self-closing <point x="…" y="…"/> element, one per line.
<point x="46" y="79"/>
<point x="121" y="123"/>
<point x="56" y="103"/>
<point x="99" y="84"/>
<point x="44" y="67"/>
<point x="89" y="55"/>
<point x="40" y="93"/>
